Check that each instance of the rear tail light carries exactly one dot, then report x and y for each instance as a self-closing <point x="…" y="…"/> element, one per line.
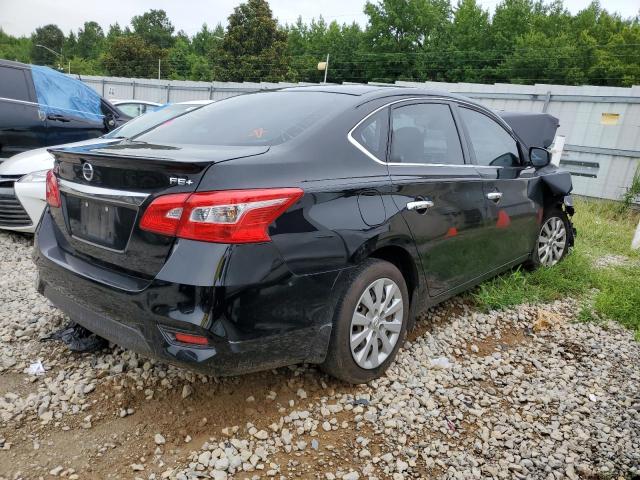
<point x="53" y="192"/>
<point x="190" y="339"/>
<point x="228" y="216"/>
<point x="164" y="213"/>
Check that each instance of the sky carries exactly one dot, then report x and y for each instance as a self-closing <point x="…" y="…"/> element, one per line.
<point x="21" y="17"/>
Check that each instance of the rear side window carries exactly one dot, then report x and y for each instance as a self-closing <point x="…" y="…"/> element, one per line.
<point x="253" y="119"/>
<point x="372" y="134"/>
<point x="491" y="143"/>
<point x="13" y="84"/>
<point x="425" y="133"/>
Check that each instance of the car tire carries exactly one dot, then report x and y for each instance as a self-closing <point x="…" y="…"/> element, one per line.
<point x="555" y="236"/>
<point x="357" y="327"/>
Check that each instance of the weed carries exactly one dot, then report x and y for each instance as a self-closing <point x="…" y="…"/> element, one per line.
<point x="607" y="293"/>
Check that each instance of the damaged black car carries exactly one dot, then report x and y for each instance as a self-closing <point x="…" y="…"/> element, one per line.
<point x="308" y="224"/>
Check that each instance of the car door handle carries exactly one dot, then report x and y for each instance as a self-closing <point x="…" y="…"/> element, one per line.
<point x="419" y="205"/>
<point x="494" y="196"/>
<point x="58" y="118"/>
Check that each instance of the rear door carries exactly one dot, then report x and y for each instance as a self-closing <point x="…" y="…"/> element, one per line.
<point x="439" y="193"/>
<point x="22" y="125"/>
<point x="511" y="216"/>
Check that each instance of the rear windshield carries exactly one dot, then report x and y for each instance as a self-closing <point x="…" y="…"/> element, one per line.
<point x="262" y="119"/>
<point x="149" y="120"/>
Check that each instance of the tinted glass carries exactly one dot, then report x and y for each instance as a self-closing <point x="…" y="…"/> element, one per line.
<point x="13" y="84"/>
<point x="149" y="120"/>
<point x="425" y="133"/>
<point x="490" y="142"/>
<point x="253" y="119"/>
<point x="372" y="133"/>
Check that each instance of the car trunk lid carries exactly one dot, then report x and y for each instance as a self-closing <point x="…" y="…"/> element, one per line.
<point x="105" y="191"/>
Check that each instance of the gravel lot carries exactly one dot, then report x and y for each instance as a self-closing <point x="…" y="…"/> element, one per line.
<point x="526" y="393"/>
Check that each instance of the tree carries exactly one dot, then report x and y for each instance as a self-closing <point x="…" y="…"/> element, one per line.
<point x="131" y="56"/>
<point x="405" y="36"/>
<point x="254" y="48"/>
<point x="51" y="37"/>
<point x="464" y="57"/>
<point x="70" y="45"/>
<point x="206" y="41"/>
<point x="179" y="60"/>
<point x="17" y="49"/>
<point x="114" y="32"/>
<point x="90" y="40"/>
<point x="155" y="28"/>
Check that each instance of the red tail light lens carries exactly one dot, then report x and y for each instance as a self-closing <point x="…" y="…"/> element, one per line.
<point x="229" y="216"/>
<point x="53" y="192"/>
<point x="164" y="213"/>
<point x="191" y="339"/>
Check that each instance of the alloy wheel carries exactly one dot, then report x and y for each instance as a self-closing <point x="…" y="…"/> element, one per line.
<point x="552" y="241"/>
<point x="376" y="323"/>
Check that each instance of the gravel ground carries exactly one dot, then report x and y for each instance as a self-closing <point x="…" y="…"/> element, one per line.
<point x="524" y="393"/>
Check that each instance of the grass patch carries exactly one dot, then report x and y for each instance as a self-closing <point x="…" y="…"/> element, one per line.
<point x="603" y="229"/>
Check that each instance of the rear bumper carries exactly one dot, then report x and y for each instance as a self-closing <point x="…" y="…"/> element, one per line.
<point x="281" y="320"/>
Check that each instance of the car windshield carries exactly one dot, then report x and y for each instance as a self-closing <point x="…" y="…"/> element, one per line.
<point x="150" y="120"/>
<point x="261" y="119"/>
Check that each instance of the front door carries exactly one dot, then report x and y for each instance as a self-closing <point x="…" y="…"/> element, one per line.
<point x="22" y="124"/>
<point x="511" y="215"/>
<point x="440" y="195"/>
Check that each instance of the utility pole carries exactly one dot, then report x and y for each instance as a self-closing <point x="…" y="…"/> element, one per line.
<point x="69" y="67"/>
<point x="159" y="63"/>
<point x="57" y="54"/>
<point x="326" y="69"/>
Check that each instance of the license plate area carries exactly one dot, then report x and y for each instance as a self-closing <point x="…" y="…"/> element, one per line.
<point x="100" y="223"/>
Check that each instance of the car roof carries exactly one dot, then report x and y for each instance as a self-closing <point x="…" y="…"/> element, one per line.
<point x="348" y="89"/>
<point x="195" y="102"/>
<point x="373" y="91"/>
<point x="119" y="101"/>
<point x="9" y="63"/>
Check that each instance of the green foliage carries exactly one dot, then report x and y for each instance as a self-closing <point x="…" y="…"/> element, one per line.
<point x="12" y="48"/>
<point x="155" y="28"/>
<point x="572" y="277"/>
<point x="254" y="48"/>
<point x="90" y="41"/>
<point x="619" y="295"/>
<point x="632" y="193"/>
<point x="608" y="292"/>
<point x="49" y="36"/>
<point x="520" y="41"/>
<point x="131" y="56"/>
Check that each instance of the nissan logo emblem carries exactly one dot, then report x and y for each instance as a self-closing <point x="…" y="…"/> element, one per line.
<point x="87" y="172"/>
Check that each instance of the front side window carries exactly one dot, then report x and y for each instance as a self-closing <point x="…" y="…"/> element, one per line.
<point x="13" y="84"/>
<point x="491" y="143"/>
<point x="372" y="133"/>
<point x="425" y="133"/>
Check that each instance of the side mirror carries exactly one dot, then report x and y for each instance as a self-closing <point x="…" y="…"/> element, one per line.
<point x="539" y="157"/>
<point x="110" y="122"/>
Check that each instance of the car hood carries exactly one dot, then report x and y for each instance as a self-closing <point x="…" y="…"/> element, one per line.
<point x="40" y="158"/>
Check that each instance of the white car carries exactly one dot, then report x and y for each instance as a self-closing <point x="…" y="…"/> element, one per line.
<point x="23" y="176"/>
<point x="135" y="108"/>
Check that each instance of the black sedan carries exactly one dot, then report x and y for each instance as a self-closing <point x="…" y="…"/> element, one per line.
<point x="308" y="224"/>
